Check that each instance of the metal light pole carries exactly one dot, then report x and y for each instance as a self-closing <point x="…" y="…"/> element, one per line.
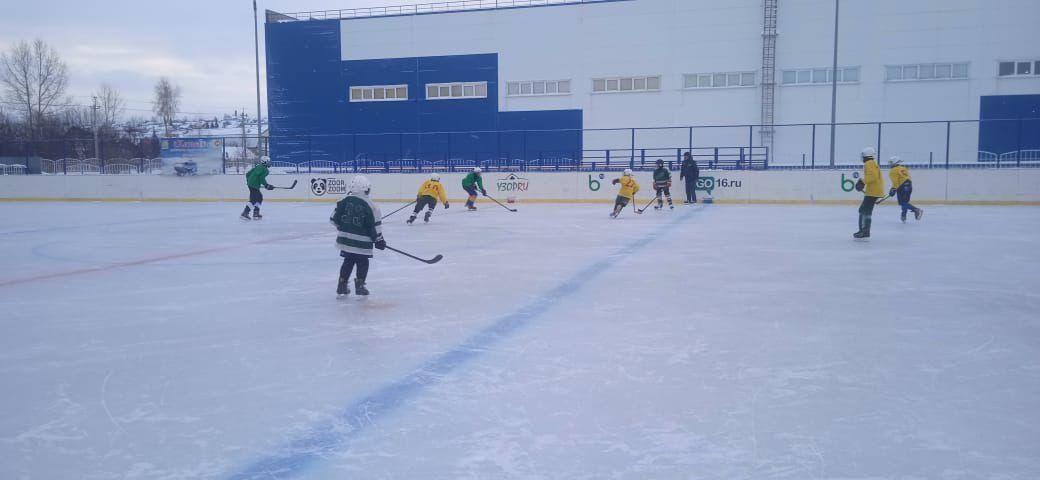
<point x="834" y="82"/>
<point x="256" y="50"/>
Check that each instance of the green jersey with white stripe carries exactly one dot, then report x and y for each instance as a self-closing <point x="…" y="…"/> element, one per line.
<point x="359" y="224"/>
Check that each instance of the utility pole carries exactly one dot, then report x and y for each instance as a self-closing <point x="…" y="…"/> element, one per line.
<point x="97" y="143"/>
<point x="256" y="51"/>
<point x="834" y="82"/>
<point x="244" y="134"/>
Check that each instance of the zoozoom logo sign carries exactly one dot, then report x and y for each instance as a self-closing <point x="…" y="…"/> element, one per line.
<point x="512" y="183"/>
<point x="849" y="184"/>
<point x="709" y="184"/>
<point x="331" y="186"/>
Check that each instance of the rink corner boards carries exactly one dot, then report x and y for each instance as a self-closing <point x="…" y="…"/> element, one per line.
<point x="995" y="203"/>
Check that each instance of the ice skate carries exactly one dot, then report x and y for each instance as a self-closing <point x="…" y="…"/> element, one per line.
<point x="342" y="289"/>
<point x="426" y="218"/>
<point x="918" y="213"/>
<point x="902" y="217"/>
<point x="410" y="219"/>
<point x="256" y="214"/>
<point x="245" y="214"/>
<point x="359" y="287"/>
<point x="861" y="234"/>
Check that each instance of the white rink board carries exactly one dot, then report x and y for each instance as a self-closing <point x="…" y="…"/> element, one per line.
<point x="1003" y="186"/>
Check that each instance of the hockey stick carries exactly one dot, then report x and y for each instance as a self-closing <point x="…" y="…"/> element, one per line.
<point x="429" y="262"/>
<point x="882" y="200"/>
<point x="641" y="210"/>
<point x="290" y="187"/>
<point x="500" y="203"/>
<point x="399" y="209"/>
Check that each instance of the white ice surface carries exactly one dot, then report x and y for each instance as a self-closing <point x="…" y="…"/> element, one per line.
<point x="168" y="341"/>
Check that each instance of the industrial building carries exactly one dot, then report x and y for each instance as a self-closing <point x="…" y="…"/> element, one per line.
<point x="544" y="82"/>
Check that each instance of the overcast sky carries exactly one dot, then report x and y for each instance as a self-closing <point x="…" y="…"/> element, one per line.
<point x="206" y="47"/>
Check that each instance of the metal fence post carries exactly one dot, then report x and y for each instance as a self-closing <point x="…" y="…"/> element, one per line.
<point x="632" y="151"/>
<point x="690" y="145"/>
<point x="879" y="143"/>
<point x="948" y="145"/>
<point x="813" y="151"/>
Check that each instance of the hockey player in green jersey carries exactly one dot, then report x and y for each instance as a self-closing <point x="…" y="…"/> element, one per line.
<point x="471" y="184"/>
<point x="360" y="229"/>
<point x="662" y="184"/>
<point x="255" y="179"/>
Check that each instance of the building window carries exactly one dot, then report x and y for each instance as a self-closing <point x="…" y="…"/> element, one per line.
<point x="818" y="76"/>
<point x="718" y="80"/>
<point x="379" y="93"/>
<point x="926" y="71"/>
<point x="625" y="84"/>
<point x="537" y="88"/>
<point x="456" y="91"/>
<point x="1019" y="68"/>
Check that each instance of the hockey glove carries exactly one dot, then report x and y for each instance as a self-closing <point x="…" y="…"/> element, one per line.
<point x="381" y="244"/>
<point x="483" y="192"/>
<point x="614" y="182"/>
<point x="860" y="185"/>
<point x="446" y="206"/>
<point x="269" y="187"/>
<point x="891" y="192"/>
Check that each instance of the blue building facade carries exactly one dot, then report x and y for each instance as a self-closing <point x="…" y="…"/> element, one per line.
<point x="312" y="117"/>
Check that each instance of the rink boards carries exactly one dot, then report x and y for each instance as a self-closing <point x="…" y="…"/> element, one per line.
<point x="955" y="186"/>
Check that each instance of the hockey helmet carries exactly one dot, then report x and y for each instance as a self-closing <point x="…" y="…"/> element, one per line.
<point x="868" y="152"/>
<point x="360" y="184"/>
<point x="627" y="172"/>
<point x="435" y="177"/>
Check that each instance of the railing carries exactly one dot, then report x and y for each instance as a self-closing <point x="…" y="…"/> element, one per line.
<point x="93" y="166"/>
<point x="12" y="169"/>
<point x="420" y="9"/>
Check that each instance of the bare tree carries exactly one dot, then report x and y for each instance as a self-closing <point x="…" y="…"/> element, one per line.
<point x="110" y="106"/>
<point x="34" y="78"/>
<point x="167" y="102"/>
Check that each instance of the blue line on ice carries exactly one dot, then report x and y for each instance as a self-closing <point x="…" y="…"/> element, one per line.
<point x="298" y="455"/>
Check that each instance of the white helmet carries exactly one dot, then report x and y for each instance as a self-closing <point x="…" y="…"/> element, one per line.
<point x="435" y="177"/>
<point x="895" y="160"/>
<point x="627" y="172"/>
<point x="265" y="160"/>
<point x="476" y="170"/>
<point x="868" y="152"/>
<point x="360" y="184"/>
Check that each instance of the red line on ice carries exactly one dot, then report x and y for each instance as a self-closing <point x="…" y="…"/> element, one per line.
<point x="145" y="261"/>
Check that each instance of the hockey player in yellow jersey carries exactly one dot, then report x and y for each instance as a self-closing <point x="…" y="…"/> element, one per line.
<point x="430" y="191"/>
<point x="873" y="187"/>
<point x="902" y="188"/>
<point x="627" y="193"/>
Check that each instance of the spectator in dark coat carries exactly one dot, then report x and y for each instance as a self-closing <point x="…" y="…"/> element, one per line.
<point x="690" y="173"/>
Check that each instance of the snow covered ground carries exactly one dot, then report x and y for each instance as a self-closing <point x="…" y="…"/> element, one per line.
<point x="148" y="340"/>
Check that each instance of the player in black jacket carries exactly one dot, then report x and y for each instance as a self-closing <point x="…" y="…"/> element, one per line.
<point x="662" y="184"/>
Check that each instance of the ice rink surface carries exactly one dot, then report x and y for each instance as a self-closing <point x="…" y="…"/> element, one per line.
<point x="170" y="341"/>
